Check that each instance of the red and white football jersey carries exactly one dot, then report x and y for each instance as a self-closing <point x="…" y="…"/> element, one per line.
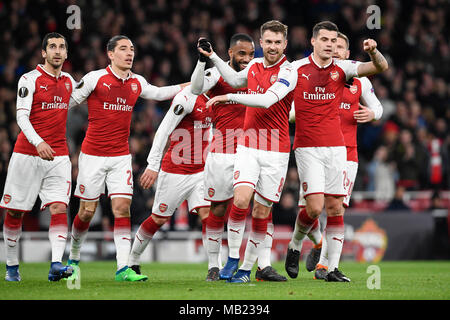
<point x="268" y="129"/>
<point x="228" y="118"/>
<point x="317" y="98"/>
<point x="187" y="127"/>
<point x="110" y="101"/>
<point x="47" y="98"/>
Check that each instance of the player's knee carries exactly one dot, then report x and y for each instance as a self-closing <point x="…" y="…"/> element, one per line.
<point x="219" y="208"/>
<point x="314" y="211"/>
<point x="57" y="208"/>
<point x="121" y="208"/>
<point x="159" y="220"/>
<point x="242" y="201"/>
<point x="15" y="213"/>
<point x="87" y="211"/>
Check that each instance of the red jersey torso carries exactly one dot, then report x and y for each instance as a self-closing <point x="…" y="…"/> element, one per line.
<point x="189" y="141"/>
<point x="48" y="114"/>
<point x="267" y="129"/>
<point x="227" y="119"/>
<point x="317" y="98"/>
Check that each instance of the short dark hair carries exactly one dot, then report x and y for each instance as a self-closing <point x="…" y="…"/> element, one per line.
<point x="343" y="36"/>
<point x="112" y="43"/>
<point x="274" y="26"/>
<point x="327" y="25"/>
<point x="52" y="35"/>
<point x="240" y="37"/>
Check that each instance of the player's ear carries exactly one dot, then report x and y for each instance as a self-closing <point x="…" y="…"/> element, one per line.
<point x="313" y="41"/>
<point x="44" y="54"/>
<point x="110" y="55"/>
<point x="347" y="55"/>
<point x="230" y="53"/>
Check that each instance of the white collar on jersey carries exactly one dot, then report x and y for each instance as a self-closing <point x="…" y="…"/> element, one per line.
<point x="41" y="66"/>
<point x="130" y="74"/>
<point x="318" y="65"/>
<point x="272" y="65"/>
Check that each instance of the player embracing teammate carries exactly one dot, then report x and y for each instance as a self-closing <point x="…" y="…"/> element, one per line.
<point x="316" y="83"/>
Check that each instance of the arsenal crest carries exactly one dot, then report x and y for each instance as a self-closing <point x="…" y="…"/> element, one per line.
<point x="67" y="86"/>
<point x="273" y="78"/>
<point x="211" y="192"/>
<point x="334" y="75"/>
<point x="82" y="188"/>
<point x="7" y="198"/>
<point x="134" y="87"/>
<point x="162" y="207"/>
<point x="353" y="89"/>
<point x="304" y="186"/>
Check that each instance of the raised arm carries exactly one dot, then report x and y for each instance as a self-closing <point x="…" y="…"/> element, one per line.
<point x="378" y="62"/>
<point x="231" y="76"/>
<point x="150" y="91"/>
<point x="287" y="80"/>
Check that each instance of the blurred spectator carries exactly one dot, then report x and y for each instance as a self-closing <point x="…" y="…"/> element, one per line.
<point x="381" y="175"/>
<point x="398" y="202"/>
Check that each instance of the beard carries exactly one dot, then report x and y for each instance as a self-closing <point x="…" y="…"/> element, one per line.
<point x="235" y="65"/>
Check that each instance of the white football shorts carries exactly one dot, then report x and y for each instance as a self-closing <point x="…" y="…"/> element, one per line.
<point x="172" y="189"/>
<point x="30" y="176"/>
<point x="94" y="173"/>
<point x="264" y="171"/>
<point x="321" y="170"/>
<point x="218" y="177"/>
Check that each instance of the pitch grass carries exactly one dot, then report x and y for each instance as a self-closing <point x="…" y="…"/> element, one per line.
<point x="412" y="280"/>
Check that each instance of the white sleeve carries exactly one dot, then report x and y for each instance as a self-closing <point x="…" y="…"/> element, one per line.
<point x="231" y="76"/>
<point x="83" y="88"/>
<point x="179" y="108"/>
<point x="72" y="102"/>
<point x="350" y="67"/>
<point x="201" y="80"/>
<point x="23" y="107"/>
<point x="150" y="91"/>
<point x="292" y="113"/>
<point x="287" y="81"/>
<point x="369" y="98"/>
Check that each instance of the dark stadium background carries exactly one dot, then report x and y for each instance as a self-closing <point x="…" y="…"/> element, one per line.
<point x="397" y="169"/>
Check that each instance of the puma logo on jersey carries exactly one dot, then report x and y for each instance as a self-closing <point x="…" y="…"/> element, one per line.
<point x="216" y="240"/>
<point x="44" y="87"/>
<point x="306" y="76"/>
<point x="125" y="238"/>
<point x="107" y="85"/>
<point x="254" y="73"/>
<point x="235" y="230"/>
<point x="199" y="110"/>
<point x="140" y="240"/>
<point x="62" y="237"/>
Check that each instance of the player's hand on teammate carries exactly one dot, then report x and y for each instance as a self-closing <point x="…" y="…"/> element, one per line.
<point x="216" y="100"/>
<point x="204" y="49"/>
<point x="45" y="151"/>
<point x="363" y="115"/>
<point x="370" y="46"/>
<point x="148" y="178"/>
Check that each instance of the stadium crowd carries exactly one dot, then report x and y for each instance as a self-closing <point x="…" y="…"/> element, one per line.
<point x="407" y="149"/>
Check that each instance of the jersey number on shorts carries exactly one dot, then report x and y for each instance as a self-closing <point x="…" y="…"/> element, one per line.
<point x="129" y="178"/>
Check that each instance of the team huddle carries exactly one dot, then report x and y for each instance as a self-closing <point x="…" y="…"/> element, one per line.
<point x="228" y="154"/>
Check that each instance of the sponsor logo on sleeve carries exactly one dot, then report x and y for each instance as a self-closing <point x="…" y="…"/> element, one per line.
<point x="284" y="81"/>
